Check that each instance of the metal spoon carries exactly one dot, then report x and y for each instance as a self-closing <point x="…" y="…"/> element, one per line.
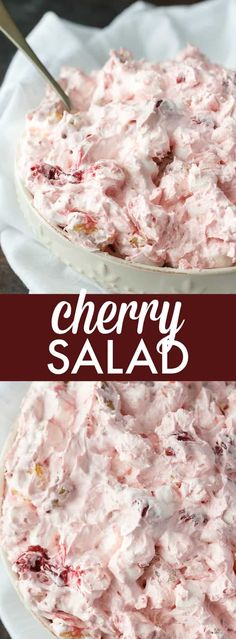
<point x="9" y="28"/>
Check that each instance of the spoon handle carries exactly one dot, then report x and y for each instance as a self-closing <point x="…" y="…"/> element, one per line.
<point x="11" y="31"/>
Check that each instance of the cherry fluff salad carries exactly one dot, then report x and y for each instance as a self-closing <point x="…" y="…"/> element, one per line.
<point x="145" y="166"/>
<point x="118" y="515"/>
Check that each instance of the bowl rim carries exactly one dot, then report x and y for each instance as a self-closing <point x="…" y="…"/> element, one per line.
<point x="110" y="259"/>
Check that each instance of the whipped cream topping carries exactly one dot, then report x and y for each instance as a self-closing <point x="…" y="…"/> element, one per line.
<point x="145" y="167"/>
<point x="119" y="509"/>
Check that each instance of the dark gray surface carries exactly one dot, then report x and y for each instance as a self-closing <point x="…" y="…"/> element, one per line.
<point x="3" y="632"/>
<point x="9" y="282"/>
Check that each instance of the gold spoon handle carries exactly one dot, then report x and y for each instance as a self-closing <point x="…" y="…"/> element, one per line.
<point x="9" y="28"/>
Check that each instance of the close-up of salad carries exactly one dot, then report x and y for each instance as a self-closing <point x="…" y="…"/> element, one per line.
<point x="118" y="508"/>
<point x="117" y="295"/>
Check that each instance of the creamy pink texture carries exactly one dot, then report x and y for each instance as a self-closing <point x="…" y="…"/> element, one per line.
<point x="119" y="509"/>
<point x="146" y="166"/>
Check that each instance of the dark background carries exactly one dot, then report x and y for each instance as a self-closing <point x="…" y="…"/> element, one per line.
<point x="27" y="13"/>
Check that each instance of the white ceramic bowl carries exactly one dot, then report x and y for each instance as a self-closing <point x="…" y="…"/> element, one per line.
<point x="117" y="275"/>
<point x="11" y="574"/>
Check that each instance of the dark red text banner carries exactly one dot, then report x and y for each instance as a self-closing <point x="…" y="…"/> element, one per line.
<point x="101" y="337"/>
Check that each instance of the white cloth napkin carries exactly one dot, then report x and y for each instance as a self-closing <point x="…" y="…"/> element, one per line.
<point x="151" y="32"/>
